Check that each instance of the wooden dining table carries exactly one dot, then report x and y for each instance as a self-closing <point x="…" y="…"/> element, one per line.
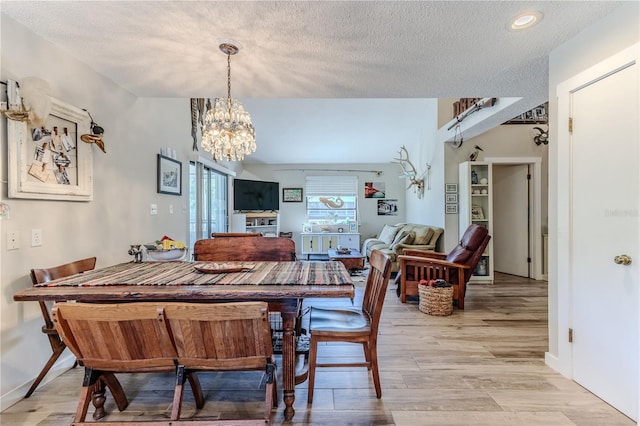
<point x="282" y="283"/>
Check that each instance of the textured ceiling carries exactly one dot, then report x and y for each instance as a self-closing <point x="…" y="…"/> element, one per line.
<point x="312" y="50"/>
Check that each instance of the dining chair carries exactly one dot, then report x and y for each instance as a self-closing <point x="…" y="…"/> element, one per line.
<point x="456" y="267"/>
<point x="117" y="338"/>
<point x="40" y="276"/>
<point x="223" y="337"/>
<point x="353" y="325"/>
<point x="245" y="248"/>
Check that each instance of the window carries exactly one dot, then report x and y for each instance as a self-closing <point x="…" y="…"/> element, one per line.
<point x="207" y="201"/>
<point x="331" y="199"/>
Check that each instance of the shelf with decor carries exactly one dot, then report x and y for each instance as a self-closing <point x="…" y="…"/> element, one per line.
<point x="318" y="243"/>
<point x="265" y="223"/>
<point x="476" y="206"/>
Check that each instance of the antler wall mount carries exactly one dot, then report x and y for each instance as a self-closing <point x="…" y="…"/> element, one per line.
<point x="410" y="172"/>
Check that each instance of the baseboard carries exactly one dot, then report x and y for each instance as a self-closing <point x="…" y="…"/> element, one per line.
<point x="13" y="396"/>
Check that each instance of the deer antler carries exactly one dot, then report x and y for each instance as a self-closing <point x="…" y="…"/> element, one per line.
<point x="411" y="173"/>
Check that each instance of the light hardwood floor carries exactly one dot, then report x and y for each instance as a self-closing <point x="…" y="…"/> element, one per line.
<point x="481" y="366"/>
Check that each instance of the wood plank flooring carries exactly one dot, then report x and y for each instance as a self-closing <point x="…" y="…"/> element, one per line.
<point x="481" y="366"/>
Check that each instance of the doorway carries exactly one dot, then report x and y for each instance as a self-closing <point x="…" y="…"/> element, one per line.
<point x="517" y="199"/>
<point x="511" y="219"/>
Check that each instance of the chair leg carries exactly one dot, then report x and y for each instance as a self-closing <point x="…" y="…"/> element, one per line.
<point x="367" y="355"/>
<point x="196" y="388"/>
<point x="176" y="407"/>
<point x="268" y="402"/>
<point x="83" y="404"/>
<point x="57" y="351"/>
<point x="313" y="353"/>
<point x="373" y="355"/>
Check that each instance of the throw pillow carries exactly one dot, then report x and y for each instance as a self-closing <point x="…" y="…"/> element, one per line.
<point x="388" y="233"/>
<point x="423" y="235"/>
<point x="406" y="239"/>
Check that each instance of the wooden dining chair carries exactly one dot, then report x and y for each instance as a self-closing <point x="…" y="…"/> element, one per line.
<point x="40" y="276"/>
<point x="244" y="249"/>
<point x="353" y="325"/>
<point x="223" y="337"/>
<point x="117" y="338"/>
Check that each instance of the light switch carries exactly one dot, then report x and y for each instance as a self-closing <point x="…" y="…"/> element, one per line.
<point x="154" y="209"/>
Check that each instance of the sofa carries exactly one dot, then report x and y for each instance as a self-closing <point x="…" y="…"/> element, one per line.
<point x="394" y="239"/>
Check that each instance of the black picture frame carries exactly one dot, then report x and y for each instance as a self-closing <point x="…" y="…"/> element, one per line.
<point x="291" y="195"/>
<point x="169" y="176"/>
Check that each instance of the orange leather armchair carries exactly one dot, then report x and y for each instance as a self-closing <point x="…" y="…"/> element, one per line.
<point x="455" y="267"/>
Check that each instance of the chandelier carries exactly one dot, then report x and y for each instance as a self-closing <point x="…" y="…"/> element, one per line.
<point x="227" y="131"/>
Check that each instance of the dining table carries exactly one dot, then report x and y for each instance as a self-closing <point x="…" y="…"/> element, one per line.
<point x="283" y="284"/>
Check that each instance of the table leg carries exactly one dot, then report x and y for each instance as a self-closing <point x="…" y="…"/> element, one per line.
<point x="289" y="312"/>
<point x="99" y="397"/>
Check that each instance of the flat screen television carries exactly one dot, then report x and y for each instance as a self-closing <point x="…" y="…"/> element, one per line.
<point x="255" y="195"/>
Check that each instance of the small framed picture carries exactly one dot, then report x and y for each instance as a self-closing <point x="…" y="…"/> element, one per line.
<point x="292" y="195"/>
<point x="353" y="226"/>
<point x="169" y="175"/>
<point x="450" y="188"/>
<point x="451" y="208"/>
<point x="307" y="228"/>
<point x="450" y="198"/>
<point x="477" y="213"/>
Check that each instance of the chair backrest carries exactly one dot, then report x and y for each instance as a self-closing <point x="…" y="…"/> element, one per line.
<point x="39" y="276"/>
<point x="245" y="249"/>
<point x="235" y="234"/>
<point x="221" y="336"/>
<point x="117" y="337"/>
<point x="470" y="248"/>
<point x="376" y="287"/>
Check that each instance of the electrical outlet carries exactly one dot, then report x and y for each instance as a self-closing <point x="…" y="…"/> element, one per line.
<point x="154" y="209"/>
<point x="170" y="208"/>
<point x="13" y="240"/>
<point x="36" y="237"/>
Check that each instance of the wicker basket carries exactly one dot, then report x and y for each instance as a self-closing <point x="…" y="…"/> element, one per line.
<point x="436" y="301"/>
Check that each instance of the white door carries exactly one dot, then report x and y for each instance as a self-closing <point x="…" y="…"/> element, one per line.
<point x="511" y="219"/>
<point x="605" y="224"/>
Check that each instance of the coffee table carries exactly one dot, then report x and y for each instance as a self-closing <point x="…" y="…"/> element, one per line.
<point x="354" y="260"/>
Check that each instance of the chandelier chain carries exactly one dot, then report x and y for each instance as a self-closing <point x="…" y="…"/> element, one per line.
<point x="229" y="81"/>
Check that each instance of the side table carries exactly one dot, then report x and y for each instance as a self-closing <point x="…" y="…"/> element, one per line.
<point x="354" y="260"/>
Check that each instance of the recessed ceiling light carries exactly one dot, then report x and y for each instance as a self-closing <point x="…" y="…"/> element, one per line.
<point x="524" y="20"/>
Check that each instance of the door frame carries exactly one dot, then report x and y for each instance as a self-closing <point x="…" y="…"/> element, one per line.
<point x="561" y="279"/>
<point x="535" y="200"/>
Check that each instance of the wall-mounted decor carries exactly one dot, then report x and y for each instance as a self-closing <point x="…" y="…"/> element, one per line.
<point x="50" y="162"/>
<point x="450" y="188"/>
<point x="451" y="208"/>
<point x="450" y="198"/>
<point x="416" y="180"/>
<point x="387" y="207"/>
<point x="537" y="115"/>
<point x="292" y="195"/>
<point x="169" y="175"/>
<point x="374" y="190"/>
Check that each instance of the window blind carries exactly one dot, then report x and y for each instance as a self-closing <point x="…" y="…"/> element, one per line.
<point x="331" y="185"/>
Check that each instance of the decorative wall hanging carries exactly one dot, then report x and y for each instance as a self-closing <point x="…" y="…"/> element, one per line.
<point x="96" y="134"/>
<point x="537" y="115"/>
<point x="387" y="207"/>
<point x="169" y="176"/>
<point x="410" y="173"/>
<point x="48" y="162"/>
<point x="374" y="190"/>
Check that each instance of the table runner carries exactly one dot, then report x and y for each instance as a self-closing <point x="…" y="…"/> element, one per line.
<point x="183" y="273"/>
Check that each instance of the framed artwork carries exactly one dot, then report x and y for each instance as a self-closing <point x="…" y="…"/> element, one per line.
<point x="387" y="207"/>
<point x="477" y="213"/>
<point x="451" y="208"/>
<point x="450" y="188"/>
<point x="374" y="190"/>
<point x="307" y="228"/>
<point x="292" y="195"/>
<point x="353" y="226"/>
<point x="450" y="198"/>
<point x="50" y="162"/>
<point x="169" y="175"/>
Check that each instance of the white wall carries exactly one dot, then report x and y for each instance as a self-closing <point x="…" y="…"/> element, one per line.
<point x="594" y="44"/>
<point x="292" y="215"/>
<point x="124" y="188"/>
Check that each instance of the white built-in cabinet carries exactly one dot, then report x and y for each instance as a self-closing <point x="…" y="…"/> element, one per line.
<point x="320" y="242"/>
<point x="265" y="223"/>
<point x="476" y="206"/>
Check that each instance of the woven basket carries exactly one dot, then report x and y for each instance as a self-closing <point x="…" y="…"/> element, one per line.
<point x="436" y="301"/>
